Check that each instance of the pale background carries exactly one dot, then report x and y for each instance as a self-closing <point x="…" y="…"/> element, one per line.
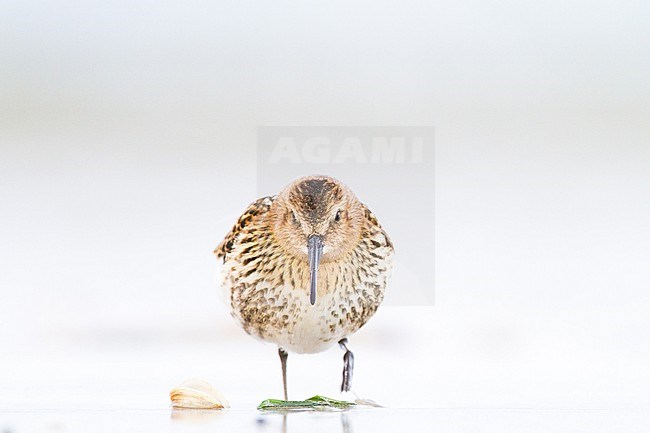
<point x="127" y="149"/>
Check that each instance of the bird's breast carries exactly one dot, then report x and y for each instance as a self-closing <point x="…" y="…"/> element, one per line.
<point x="269" y="294"/>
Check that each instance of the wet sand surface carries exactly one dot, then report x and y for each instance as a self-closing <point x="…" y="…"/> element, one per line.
<point x="359" y="420"/>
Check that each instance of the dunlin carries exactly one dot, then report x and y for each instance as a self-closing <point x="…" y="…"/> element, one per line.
<point x="306" y="269"/>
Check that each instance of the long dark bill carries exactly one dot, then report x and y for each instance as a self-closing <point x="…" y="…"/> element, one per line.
<point x="314" y="250"/>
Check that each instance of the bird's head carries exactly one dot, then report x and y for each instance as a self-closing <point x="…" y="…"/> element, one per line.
<point x="318" y="219"/>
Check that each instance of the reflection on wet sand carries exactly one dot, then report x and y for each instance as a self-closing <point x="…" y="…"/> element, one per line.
<point x="346" y="425"/>
<point x="197" y="416"/>
<point x="206" y="416"/>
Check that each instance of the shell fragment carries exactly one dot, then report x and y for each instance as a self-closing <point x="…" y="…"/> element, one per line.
<point x="197" y="394"/>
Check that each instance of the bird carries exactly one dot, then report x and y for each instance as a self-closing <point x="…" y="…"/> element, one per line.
<point x="305" y="269"/>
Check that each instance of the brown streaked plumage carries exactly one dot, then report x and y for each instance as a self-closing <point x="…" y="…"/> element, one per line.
<point x="306" y="268"/>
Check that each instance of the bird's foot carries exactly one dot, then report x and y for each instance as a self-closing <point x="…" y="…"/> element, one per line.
<point x="354" y="397"/>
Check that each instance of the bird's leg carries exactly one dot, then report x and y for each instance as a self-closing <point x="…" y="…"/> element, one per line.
<point x="283" y="359"/>
<point x="348" y="366"/>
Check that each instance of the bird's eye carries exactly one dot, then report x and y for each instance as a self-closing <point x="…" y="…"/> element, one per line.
<point x="337" y="217"/>
<point x="294" y="219"/>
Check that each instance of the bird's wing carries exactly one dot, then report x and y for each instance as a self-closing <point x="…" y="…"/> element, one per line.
<point x="256" y="208"/>
<point x="376" y="227"/>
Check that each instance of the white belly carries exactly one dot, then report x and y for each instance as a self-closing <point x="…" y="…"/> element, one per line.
<point x="310" y="330"/>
